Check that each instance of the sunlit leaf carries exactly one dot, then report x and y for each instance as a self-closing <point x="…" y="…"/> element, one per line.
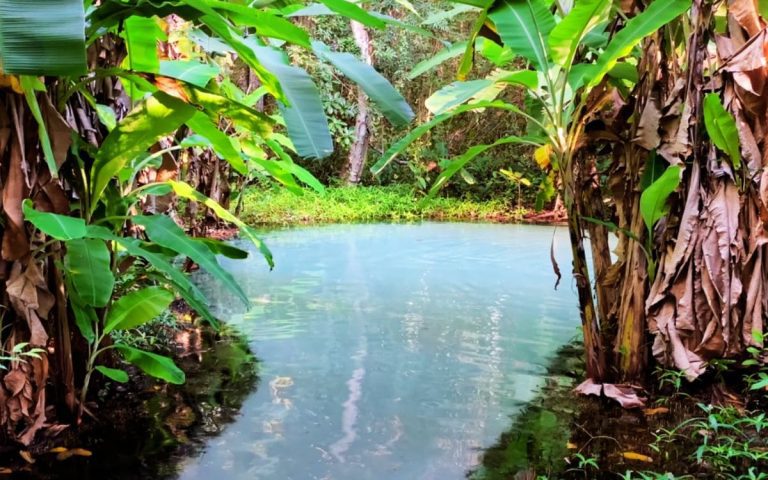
<point x="112" y="373"/>
<point x="162" y="230"/>
<point x="137" y="308"/>
<point x="60" y="227"/>
<point x="152" y="364"/>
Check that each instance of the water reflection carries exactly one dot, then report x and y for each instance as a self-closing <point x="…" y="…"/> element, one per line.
<point x="392" y="351"/>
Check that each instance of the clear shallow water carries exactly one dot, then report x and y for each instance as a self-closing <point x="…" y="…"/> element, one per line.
<point x="389" y="351"/>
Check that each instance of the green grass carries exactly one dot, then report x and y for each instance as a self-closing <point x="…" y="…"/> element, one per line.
<point x="363" y="204"/>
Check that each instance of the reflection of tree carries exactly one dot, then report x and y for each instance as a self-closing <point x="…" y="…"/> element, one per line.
<point x="537" y="441"/>
<point x="350" y="412"/>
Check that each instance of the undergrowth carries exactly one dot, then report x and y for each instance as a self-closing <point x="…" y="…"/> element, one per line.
<point x="364" y="204"/>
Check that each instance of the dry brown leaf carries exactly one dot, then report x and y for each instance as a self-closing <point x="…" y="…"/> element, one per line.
<point x="745" y="12"/>
<point x="15" y="241"/>
<point x="58" y="450"/>
<point x="59" y="130"/>
<point x="624" y="394"/>
<point x="589" y="387"/>
<point x="648" y="127"/>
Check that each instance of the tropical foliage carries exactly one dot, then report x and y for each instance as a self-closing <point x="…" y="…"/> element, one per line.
<point x="647" y="118"/>
<point x="109" y="111"/>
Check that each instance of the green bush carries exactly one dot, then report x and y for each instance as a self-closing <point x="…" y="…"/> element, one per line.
<point x="363" y="204"/>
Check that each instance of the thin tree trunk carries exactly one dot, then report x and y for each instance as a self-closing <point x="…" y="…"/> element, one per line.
<point x="359" y="150"/>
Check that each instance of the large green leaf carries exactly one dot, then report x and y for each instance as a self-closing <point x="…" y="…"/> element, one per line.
<point x="224" y="248"/>
<point x="241" y="115"/>
<point x="265" y="23"/>
<point x="721" y="127"/>
<point x="165" y="232"/>
<point x="152" y="364"/>
<point x="42" y="37"/>
<point x="304" y="116"/>
<point x="219" y="141"/>
<point x="287" y="164"/>
<point x="468" y="59"/>
<point x="141" y="35"/>
<point x="234" y="39"/>
<point x="658" y="14"/>
<point x="499" y="55"/>
<point x="88" y="266"/>
<point x="488" y="88"/>
<point x="653" y="200"/>
<point x="31" y="85"/>
<point x="60" y="227"/>
<point x="352" y="11"/>
<point x="159" y="115"/>
<point x="183" y="286"/>
<point x="378" y="88"/>
<point x="85" y="318"/>
<point x="457" y="164"/>
<point x="137" y="308"/>
<point x="524" y="26"/>
<point x="455" y="94"/>
<point x="196" y="73"/>
<point x="398" y="147"/>
<point x="565" y="38"/>
<point x="184" y="190"/>
<point x="113" y="373"/>
<point x="440" y="57"/>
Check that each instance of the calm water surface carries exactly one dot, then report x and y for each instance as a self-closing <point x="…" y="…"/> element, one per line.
<point x="389" y="351"/>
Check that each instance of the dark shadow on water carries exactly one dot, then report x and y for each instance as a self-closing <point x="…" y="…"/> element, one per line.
<point x="146" y="433"/>
<point x="538" y="439"/>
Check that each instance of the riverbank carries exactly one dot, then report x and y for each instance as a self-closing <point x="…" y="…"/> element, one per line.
<point x="366" y="204"/>
<point x="685" y="432"/>
<point x="146" y="428"/>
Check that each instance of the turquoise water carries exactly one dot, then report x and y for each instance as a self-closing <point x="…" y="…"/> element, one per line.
<point x="389" y="351"/>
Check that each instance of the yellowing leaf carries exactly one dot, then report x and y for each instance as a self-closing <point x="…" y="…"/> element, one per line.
<point x="655" y="411"/>
<point x="58" y="450"/>
<point x="637" y="456"/>
<point x="26" y="456"/>
<point x="542" y="155"/>
<point x="64" y="455"/>
<point x="81" y="452"/>
<point x="571" y="446"/>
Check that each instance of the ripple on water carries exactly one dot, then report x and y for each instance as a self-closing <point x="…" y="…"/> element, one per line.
<point x="407" y="347"/>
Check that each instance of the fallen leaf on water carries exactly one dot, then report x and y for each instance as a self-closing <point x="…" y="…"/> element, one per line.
<point x="81" y="452"/>
<point x="637" y="456"/>
<point x="58" y="450"/>
<point x="571" y="446"/>
<point x="26" y="456"/>
<point x="655" y="411"/>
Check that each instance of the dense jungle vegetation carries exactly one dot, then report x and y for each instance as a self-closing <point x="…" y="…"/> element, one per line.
<point x="134" y="132"/>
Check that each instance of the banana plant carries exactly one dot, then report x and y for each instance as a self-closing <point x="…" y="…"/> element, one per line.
<point x="174" y="106"/>
<point x="568" y="53"/>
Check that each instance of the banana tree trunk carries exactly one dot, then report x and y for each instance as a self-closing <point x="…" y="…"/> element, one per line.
<point x="595" y="358"/>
